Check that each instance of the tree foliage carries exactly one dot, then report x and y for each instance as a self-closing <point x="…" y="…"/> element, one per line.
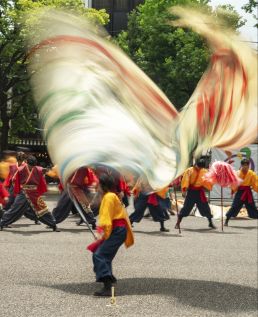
<point x="175" y="58"/>
<point x="17" y="109"/>
<point x="252" y="7"/>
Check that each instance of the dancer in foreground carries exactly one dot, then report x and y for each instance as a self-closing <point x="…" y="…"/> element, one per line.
<point x="114" y="222"/>
<point x="244" y="193"/>
<point x="193" y="186"/>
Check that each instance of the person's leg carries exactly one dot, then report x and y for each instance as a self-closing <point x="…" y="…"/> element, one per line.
<point x="15" y="212"/>
<point x="189" y="202"/>
<point x="11" y="199"/>
<point x="125" y="201"/>
<point x="74" y="210"/>
<point x="252" y="210"/>
<point x="63" y="208"/>
<point x="140" y="206"/>
<point x="162" y="227"/>
<point x="103" y="257"/>
<point x="30" y="214"/>
<point x="83" y="198"/>
<point x="235" y="207"/>
<point x="49" y="220"/>
<point x="159" y="214"/>
<point x="89" y="216"/>
<point x="205" y="211"/>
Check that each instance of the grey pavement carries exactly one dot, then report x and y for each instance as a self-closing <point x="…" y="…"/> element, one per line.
<point x="201" y="272"/>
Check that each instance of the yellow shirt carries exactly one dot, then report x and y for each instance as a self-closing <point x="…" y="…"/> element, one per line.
<point x="163" y="192"/>
<point x="193" y="176"/>
<point x="4" y="169"/>
<point x="111" y="208"/>
<point x="249" y="179"/>
<point x="53" y="172"/>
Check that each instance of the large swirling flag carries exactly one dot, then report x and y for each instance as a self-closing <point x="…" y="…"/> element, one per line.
<point x="98" y="107"/>
<point x="222" y="112"/>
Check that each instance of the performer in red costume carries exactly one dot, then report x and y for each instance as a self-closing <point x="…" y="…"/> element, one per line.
<point x="82" y="185"/>
<point x="28" y="188"/>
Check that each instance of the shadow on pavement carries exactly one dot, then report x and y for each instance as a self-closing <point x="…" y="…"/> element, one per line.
<point x="207" y="230"/>
<point x="32" y="232"/>
<point x="157" y="233"/>
<point x="22" y="225"/>
<point x="248" y="228"/>
<point x="209" y="295"/>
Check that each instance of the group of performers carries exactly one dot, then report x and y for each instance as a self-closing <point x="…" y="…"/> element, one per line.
<point x="103" y="192"/>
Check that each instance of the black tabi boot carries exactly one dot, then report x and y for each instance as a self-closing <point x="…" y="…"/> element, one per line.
<point x="211" y="225"/>
<point x="226" y="222"/>
<point x="162" y="227"/>
<point x="93" y="226"/>
<point x="55" y="229"/>
<point x="113" y="279"/>
<point x="79" y="222"/>
<point x="106" y="290"/>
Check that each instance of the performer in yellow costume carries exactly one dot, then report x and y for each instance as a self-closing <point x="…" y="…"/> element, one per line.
<point x="114" y="221"/>
<point x="243" y="194"/>
<point x="193" y="186"/>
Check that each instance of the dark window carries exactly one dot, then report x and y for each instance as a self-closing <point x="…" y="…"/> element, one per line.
<point x="137" y="2"/>
<point x="102" y="4"/>
<point x="119" y="21"/>
<point x="121" y="5"/>
<point x="118" y="11"/>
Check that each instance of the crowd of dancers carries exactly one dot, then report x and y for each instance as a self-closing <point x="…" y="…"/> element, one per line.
<point x="102" y="192"/>
<point x="22" y="184"/>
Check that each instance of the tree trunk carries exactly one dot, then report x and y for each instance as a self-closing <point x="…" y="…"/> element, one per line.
<point x="5" y="124"/>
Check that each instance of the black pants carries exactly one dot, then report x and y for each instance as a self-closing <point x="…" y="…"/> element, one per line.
<point x="19" y="208"/>
<point x="194" y="197"/>
<point x="158" y="213"/>
<point x="11" y="198"/>
<point x="28" y="213"/>
<point x="237" y="204"/>
<point x="63" y="207"/>
<point x="103" y="257"/>
<point x="89" y="216"/>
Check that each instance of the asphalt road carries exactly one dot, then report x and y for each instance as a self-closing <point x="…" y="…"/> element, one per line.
<point x="201" y="272"/>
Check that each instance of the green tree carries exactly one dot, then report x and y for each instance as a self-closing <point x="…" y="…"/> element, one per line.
<point x="252" y="7"/>
<point x="16" y="103"/>
<point x="175" y="58"/>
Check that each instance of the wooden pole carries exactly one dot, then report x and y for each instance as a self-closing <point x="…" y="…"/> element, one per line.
<point x="177" y="208"/>
<point x="221" y="202"/>
<point x="78" y="207"/>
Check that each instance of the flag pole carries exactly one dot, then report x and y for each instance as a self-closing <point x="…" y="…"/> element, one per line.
<point x="177" y="208"/>
<point x="221" y="202"/>
<point x="78" y="207"/>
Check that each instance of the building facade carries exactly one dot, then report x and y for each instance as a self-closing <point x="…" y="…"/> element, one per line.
<point x="118" y="11"/>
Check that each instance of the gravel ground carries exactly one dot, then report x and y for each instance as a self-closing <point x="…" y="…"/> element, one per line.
<point x="201" y="272"/>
